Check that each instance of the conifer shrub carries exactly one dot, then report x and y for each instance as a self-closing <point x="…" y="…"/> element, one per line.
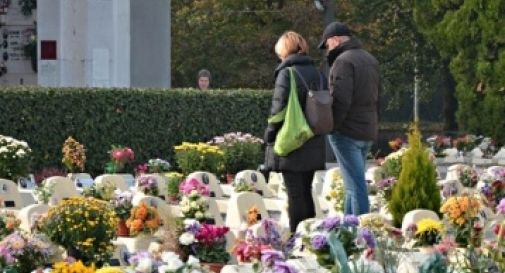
<point x="417" y="185"/>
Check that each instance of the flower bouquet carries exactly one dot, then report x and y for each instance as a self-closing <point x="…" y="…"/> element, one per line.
<point x="174" y="180"/>
<point x="74" y="155"/>
<point x="191" y="157"/>
<point x="8" y="223"/>
<point x="336" y="195"/>
<point x="241" y="151"/>
<point x="462" y="212"/>
<point x="153" y="166"/>
<point x="464" y="143"/>
<point x="103" y="191"/>
<point x="43" y="192"/>
<point x="148" y="185"/>
<point x="488" y="147"/>
<point x="392" y="165"/>
<point x="165" y="262"/>
<point x="468" y="176"/>
<point x="385" y="188"/>
<point x="439" y="143"/>
<point x="83" y="226"/>
<point x="119" y="157"/>
<point x="22" y="254"/>
<point x="242" y="185"/>
<point x="122" y="204"/>
<point x="194" y="204"/>
<point x="493" y="192"/>
<point x="14" y="158"/>
<point x="143" y="219"/>
<point x="334" y="232"/>
<point x="396" y="144"/>
<point x="204" y="241"/>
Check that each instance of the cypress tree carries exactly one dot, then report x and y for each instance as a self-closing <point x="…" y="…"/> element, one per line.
<point x="417" y="185"/>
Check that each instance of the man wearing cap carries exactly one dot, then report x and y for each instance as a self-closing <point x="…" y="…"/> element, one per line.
<point x="354" y="82"/>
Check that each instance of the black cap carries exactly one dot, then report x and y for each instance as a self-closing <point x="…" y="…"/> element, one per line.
<point x="334" y="29"/>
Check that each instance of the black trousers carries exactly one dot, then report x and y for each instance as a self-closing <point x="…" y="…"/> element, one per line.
<point x="299" y="190"/>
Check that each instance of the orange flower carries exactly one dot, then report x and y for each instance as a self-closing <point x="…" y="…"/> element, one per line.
<point x="141" y="212"/>
<point x="153" y="224"/>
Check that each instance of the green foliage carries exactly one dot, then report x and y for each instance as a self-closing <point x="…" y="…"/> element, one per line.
<point x="235" y="39"/>
<point x="150" y="121"/>
<point x="470" y="34"/>
<point x="418" y="180"/>
<point x="174" y="179"/>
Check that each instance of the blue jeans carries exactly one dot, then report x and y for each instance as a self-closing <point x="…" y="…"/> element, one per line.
<point x="351" y="155"/>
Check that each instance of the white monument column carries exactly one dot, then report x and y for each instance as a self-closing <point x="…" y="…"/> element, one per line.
<point x="48" y="30"/>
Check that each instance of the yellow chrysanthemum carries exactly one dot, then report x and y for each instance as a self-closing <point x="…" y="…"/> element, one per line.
<point x="429" y="225"/>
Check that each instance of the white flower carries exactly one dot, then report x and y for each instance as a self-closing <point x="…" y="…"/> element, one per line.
<point x="190" y="222"/>
<point x="145" y="265"/>
<point x="192" y="261"/>
<point x="185" y="209"/>
<point x="187" y="238"/>
<point x="199" y="215"/>
<point x="3" y="149"/>
<point x="193" y="205"/>
<point x="172" y="261"/>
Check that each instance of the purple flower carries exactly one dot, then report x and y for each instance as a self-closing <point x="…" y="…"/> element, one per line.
<point x="331" y="223"/>
<point x="351" y="220"/>
<point x="501" y="207"/>
<point x="386" y="183"/>
<point x="368" y="237"/>
<point x="283" y="267"/>
<point x="269" y="257"/>
<point x="318" y="242"/>
<point x="486" y="190"/>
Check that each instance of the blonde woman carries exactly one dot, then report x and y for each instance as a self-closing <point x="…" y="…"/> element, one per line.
<point x="297" y="167"/>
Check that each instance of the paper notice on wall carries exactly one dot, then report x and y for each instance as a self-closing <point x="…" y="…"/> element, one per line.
<point x="101" y="67"/>
<point x="48" y="73"/>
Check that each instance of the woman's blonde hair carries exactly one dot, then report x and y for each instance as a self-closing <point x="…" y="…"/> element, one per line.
<point x="290" y="43"/>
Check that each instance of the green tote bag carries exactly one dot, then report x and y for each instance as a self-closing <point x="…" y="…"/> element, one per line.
<point x="295" y="131"/>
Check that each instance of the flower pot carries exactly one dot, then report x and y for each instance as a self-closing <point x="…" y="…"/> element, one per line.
<point x="122" y="229"/>
<point x="214" y="267"/>
<point x="230" y="177"/>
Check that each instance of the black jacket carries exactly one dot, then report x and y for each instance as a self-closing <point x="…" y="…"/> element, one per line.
<point x="355" y="83"/>
<point x="311" y="155"/>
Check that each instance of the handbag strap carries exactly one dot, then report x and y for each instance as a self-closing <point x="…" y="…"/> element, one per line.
<point x="305" y="83"/>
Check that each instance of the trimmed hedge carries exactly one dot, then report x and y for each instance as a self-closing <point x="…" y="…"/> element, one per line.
<point x="150" y="121"/>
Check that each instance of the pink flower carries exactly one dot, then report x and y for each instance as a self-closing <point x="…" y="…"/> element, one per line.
<point x="192" y="184"/>
<point x="501" y="207"/>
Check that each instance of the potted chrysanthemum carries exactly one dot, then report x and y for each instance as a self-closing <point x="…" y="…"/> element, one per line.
<point x="85" y="227"/>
